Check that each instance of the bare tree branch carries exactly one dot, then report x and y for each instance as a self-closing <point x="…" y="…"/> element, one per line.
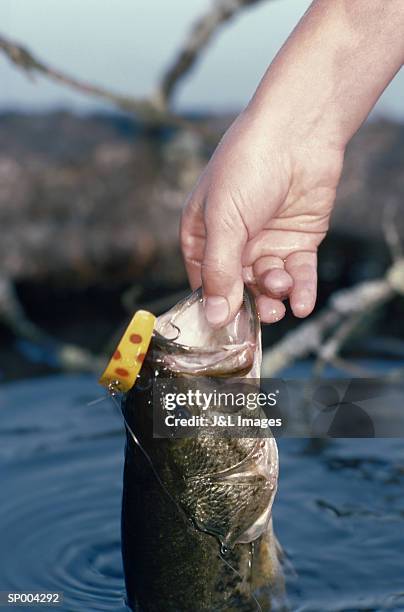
<point x="329" y="351"/>
<point x="196" y="42"/>
<point x="391" y="233"/>
<point x="353" y="303"/>
<point x="299" y="343"/>
<point x="153" y="110"/>
<point x="352" y="369"/>
<point x="68" y="356"/>
<point x="145" y="109"/>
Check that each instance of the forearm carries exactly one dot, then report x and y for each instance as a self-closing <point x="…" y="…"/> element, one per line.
<point x="332" y="69"/>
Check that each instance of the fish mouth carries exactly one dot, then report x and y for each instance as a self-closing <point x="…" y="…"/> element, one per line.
<point x="229" y="494"/>
<point x="233" y="504"/>
<point x="184" y="342"/>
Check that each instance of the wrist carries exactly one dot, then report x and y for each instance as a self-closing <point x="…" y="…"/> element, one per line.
<point x="298" y="124"/>
<point x="331" y="71"/>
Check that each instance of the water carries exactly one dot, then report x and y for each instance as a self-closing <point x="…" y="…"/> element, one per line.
<point x="339" y="512"/>
<point x="61" y="467"/>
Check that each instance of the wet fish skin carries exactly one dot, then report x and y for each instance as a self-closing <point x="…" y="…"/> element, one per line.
<point x="172" y="524"/>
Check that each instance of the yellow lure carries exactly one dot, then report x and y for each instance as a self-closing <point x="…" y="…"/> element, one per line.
<point x="122" y="370"/>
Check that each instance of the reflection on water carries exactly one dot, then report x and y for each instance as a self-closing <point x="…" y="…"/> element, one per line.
<point x="339" y="513"/>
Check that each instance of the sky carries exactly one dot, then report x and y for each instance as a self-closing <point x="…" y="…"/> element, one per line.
<point x="126" y="44"/>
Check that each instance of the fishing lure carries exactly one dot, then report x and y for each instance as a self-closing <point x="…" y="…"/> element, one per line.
<point x="122" y="370"/>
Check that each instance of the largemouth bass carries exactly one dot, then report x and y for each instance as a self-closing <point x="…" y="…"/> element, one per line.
<point x="196" y="515"/>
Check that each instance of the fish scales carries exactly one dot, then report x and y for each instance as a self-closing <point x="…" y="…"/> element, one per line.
<point x="196" y="514"/>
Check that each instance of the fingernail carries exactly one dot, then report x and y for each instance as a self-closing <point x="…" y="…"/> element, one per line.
<point x="216" y="310"/>
<point x="277" y="282"/>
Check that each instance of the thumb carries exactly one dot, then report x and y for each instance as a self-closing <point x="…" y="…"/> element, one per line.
<point x="221" y="272"/>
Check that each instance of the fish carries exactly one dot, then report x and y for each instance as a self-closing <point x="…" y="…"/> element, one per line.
<point x="197" y="530"/>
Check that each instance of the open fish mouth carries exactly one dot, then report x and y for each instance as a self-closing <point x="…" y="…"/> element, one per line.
<point x="186" y="344"/>
<point x="198" y="506"/>
<point x="228" y="484"/>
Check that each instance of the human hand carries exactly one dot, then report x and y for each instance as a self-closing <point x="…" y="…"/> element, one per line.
<point x="262" y="206"/>
<point x="257" y="215"/>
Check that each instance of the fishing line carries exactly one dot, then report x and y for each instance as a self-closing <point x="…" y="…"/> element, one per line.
<point x="97" y="401"/>
<point x="118" y="404"/>
<point x="147" y="457"/>
<point x="178" y="507"/>
<point x="233" y="569"/>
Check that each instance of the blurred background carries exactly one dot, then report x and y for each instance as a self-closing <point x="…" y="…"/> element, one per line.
<point x="92" y="182"/>
<point x="108" y="113"/>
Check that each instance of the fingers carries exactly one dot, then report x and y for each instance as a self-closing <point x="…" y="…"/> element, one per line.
<point x="221" y="270"/>
<point x="212" y="241"/>
<point x="277" y="282"/>
<point x="285" y="265"/>
<point x="302" y="267"/>
<point x="276" y="279"/>
<point x="279" y="244"/>
<point x="278" y="265"/>
<point x="192" y="239"/>
<point x="274" y="283"/>
<point x="270" y="310"/>
<point x="271" y="276"/>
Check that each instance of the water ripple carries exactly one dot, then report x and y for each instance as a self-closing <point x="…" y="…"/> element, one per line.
<point x="61" y="473"/>
<point x="339" y="512"/>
